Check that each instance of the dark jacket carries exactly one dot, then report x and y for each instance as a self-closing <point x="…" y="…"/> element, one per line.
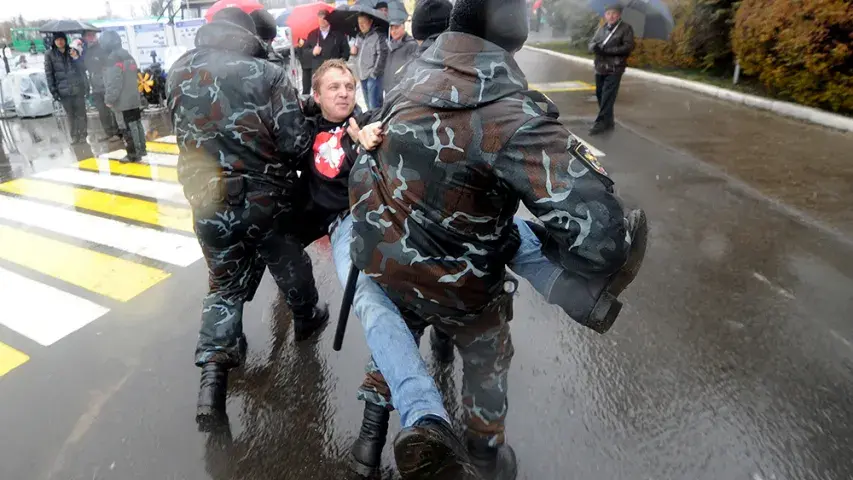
<point x="121" y="84"/>
<point x="399" y="54"/>
<point x="612" y="57"/>
<point x="433" y="207"/>
<point x="234" y="112"/>
<point x="372" y="55"/>
<point x="95" y="60"/>
<point x="66" y="77"/>
<point x="335" y="45"/>
<point x="273" y="56"/>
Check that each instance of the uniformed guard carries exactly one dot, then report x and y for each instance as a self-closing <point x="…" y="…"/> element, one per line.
<point x="240" y="132"/>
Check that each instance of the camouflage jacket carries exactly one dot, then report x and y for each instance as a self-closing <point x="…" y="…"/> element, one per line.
<point x="433" y="207"/>
<point x="233" y="111"/>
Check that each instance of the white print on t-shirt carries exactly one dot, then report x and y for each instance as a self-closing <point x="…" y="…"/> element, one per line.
<point x="329" y="153"/>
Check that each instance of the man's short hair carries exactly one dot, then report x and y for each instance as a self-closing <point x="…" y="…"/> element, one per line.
<point x="614" y="6"/>
<point x="322" y="14"/>
<point x="325" y="67"/>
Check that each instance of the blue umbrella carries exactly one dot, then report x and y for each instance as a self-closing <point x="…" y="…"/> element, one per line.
<point x="648" y="18"/>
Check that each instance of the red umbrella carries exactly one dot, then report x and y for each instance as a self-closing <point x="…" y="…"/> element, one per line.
<point x="247" y="6"/>
<point x="303" y="19"/>
<point x="537" y="4"/>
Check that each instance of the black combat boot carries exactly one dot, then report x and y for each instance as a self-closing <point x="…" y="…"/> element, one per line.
<point x="307" y="323"/>
<point x="593" y="302"/>
<point x="442" y="346"/>
<point x="366" y="452"/>
<point x="429" y="450"/>
<point x="493" y="463"/>
<point x="210" y="413"/>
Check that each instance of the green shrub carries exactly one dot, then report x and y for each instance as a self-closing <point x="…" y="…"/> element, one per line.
<point x="799" y="49"/>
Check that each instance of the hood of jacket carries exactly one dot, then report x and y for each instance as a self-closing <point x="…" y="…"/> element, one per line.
<point x="461" y="71"/>
<point x="231" y="37"/>
<point x="110" y="41"/>
<point x="53" y="42"/>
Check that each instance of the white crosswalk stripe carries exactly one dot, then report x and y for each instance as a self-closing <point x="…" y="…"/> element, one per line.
<point x="135" y="186"/>
<point x="166" y="247"/>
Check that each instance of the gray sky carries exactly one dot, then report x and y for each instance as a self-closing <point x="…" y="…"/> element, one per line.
<point x="56" y="9"/>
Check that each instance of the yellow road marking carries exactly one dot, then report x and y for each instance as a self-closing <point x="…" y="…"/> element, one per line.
<point x="571" y="86"/>
<point x="10" y="359"/>
<point x="160" y="147"/>
<point x="138" y="170"/>
<point x="104" y="274"/>
<point x="116" y="205"/>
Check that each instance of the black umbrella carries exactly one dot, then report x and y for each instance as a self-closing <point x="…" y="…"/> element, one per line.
<point x="68" y="26"/>
<point x="345" y="18"/>
<point x="648" y="18"/>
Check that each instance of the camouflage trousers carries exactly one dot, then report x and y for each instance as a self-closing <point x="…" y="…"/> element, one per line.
<point x="240" y="239"/>
<point x="485" y="345"/>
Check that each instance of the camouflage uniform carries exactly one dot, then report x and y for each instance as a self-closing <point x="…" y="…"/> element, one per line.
<point x="433" y="208"/>
<point x="240" y="132"/>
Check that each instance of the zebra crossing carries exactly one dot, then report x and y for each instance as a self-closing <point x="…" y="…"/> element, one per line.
<point x="79" y="241"/>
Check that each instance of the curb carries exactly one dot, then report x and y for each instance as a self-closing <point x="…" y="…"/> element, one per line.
<point x="790" y="110"/>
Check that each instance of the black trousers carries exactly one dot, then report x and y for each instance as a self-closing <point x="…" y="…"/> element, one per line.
<point x="306" y="80"/>
<point x="105" y="115"/>
<point x="606" y="89"/>
<point x="75" y="110"/>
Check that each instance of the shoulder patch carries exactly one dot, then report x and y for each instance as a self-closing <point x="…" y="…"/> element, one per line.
<point x="582" y="153"/>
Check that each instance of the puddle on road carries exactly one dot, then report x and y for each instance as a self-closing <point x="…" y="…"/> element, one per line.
<point x="34" y="145"/>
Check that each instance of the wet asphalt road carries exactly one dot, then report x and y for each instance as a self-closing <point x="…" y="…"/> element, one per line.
<point x="732" y="359"/>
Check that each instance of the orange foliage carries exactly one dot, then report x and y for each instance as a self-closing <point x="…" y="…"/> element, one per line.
<point x="801" y="50"/>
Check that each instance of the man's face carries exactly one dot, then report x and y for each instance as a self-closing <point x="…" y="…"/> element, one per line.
<point x="91" y="38"/>
<point x="59" y="42"/>
<point x="324" y="24"/>
<point x="364" y="23"/>
<point x="612" y="16"/>
<point x="336" y="95"/>
<point x="398" y="32"/>
<point x="384" y="10"/>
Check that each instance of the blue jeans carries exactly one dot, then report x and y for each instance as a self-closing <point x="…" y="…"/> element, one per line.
<point x="372" y="88"/>
<point x="392" y="344"/>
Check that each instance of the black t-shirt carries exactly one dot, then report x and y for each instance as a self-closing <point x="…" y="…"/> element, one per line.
<point x="327" y="175"/>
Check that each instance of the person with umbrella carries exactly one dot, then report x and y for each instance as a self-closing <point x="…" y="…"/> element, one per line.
<point x="370" y="63"/>
<point x="323" y="43"/>
<point x="612" y="44"/>
<point x="66" y="79"/>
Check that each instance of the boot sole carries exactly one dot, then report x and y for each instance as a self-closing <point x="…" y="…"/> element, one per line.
<point x="421" y="458"/>
<point x="608" y="307"/>
<point x="362" y="470"/>
<point x="637" y="254"/>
